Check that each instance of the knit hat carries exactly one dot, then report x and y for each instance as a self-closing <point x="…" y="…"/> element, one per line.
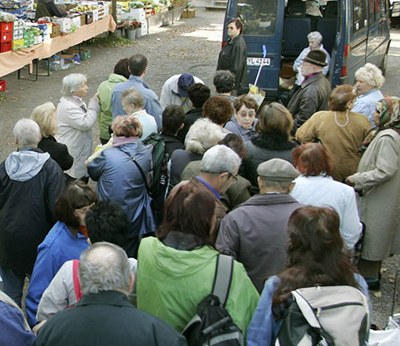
<point x="185" y="81"/>
<point x="277" y="170"/>
<point x="316" y="57"/>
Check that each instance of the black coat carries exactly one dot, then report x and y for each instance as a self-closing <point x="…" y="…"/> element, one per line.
<point x="106" y="318"/>
<point x="233" y="57"/>
<point x="58" y="152"/>
<point x="26" y="214"/>
<point x="262" y="148"/>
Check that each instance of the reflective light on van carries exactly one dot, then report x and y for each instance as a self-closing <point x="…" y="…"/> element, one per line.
<point x="346" y="50"/>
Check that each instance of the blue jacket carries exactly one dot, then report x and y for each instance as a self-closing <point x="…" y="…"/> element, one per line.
<point x="119" y="180"/>
<point x="151" y="103"/>
<point x="263" y="327"/>
<point x="14" y="330"/>
<point x="58" y="247"/>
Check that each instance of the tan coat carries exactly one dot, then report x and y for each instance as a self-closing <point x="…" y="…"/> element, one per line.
<point x="342" y="142"/>
<point x="379" y="178"/>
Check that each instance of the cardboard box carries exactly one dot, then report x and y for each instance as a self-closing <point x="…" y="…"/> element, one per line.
<point x="64" y="23"/>
<point x="188" y="13"/>
<point x="76" y="22"/>
<point x="18" y="34"/>
<point x="18" y="44"/>
<point x="89" y="17"/>
<point x="137" y="13"/>
<point x="143" y="28"/>
<point x="55" y="31"/>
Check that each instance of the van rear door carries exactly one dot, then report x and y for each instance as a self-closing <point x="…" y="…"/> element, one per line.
<point x="263" y="22"/>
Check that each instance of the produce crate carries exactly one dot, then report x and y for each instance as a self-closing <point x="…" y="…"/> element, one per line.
<point x="3" y="85"/>
<point x="5" y="46"/>
<point x="6" y="26"/>
<point x="6" y="36"/>
<point x="18" y="44"/>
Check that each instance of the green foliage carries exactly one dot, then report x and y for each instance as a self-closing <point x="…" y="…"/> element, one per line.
<point x="110" y="41"/>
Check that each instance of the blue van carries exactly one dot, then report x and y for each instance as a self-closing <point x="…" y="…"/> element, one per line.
<point x="354" y="32"/>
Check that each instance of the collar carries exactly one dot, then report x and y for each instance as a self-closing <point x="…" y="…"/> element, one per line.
<point x="114" y="298"/>
<point x="118" y="141"/>
<point x="209" y="186"/>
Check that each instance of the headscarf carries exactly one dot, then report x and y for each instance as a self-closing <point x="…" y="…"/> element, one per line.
<point x="389" y="118"/>
<point x="389" y="113"/>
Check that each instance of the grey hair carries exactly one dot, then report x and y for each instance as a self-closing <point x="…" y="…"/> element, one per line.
<point x="27" y="133"/>
<point x="220" y="158"/>
<point x="202" y="135"/>
<point x="132" y="98"/>
<point x="104" y="267"/>
<point x="278" y="186"/>
<point x="371" y="75"/>
<point x="315" y="35"/>
<point x="72" y="83"/>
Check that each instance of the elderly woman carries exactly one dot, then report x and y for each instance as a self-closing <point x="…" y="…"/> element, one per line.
<point x="202" y="135"/>
<point x="177" y="268"/>
<point x="132" y="103"/>
<point x="273" y="128"/>
<point x="378" y="177"/>
<point x="315" y="257"/>
<point x="75" y="122"/>
<point x="316" y="187"/>
<point x="45" y="116"/>
<point x="244" y="121"/>
<point x="369" y="80"/>
<point x="340" y="130"/>
<point x="233" y="56"/>
<point x="224" y="83"/>
<point x="65" y="241"/>
<point x="314" y="42"/>
<point x="121" y="74"/>
<point x="120" y="172"/>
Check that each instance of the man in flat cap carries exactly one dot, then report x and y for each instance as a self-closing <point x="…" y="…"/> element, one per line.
<point x="175" y="91"/>
<point x="255" y="233"/>
<point x="313" y="94"/>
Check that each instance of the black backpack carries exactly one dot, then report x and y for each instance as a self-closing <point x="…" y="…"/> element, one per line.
<point x="212" y="324"/>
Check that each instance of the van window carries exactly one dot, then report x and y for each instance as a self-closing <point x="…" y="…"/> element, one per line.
<point x="359" y="14"/>
<point x="259" y="16"/>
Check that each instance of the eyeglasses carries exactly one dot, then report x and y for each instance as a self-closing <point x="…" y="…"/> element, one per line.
<point x="250" y="114"/>
<point x="234" y="177"/>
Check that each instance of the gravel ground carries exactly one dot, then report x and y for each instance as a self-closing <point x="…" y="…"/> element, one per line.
<point x="190" y="45"/>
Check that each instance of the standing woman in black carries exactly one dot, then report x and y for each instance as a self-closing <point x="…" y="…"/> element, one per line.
<point x="233" y="56"/>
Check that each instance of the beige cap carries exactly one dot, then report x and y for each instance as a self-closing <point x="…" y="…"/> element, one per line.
<point x="277" y="170"/>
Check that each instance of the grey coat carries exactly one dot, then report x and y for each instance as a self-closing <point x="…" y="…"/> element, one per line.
<point x="312" y="97"/>
<point x="379" y="177"/>
<point x="255" y="234"/>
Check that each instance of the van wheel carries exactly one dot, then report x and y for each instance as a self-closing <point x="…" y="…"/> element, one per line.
<point x="384" y="64"/>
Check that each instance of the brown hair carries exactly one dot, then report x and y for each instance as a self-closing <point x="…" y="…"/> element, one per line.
<point x="218" y="109"/>
<point x="340" y="96"/>
<point x="238" y="23"/>
<point x="248" y="101"/>
<point x="315" y="254"/>
<point x="312" y="159"/>
<point x="189" y="209"/>
<point x="122" y="68"/>
<point x="75" y="196"/>
<point x="235" y="142"/>
<point x="127" y="126"/>
<point x="274" y="118"/>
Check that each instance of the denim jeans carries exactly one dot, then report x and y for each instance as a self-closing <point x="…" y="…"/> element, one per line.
<point x="13" y="284"/>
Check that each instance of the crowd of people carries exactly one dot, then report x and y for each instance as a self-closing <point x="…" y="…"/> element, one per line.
<point x="291" y="193"/>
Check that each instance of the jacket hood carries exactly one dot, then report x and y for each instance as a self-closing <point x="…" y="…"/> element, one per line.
<point x="26" y="164"/>
<point x="178" y="263"/>
<point x="116" y="78"/>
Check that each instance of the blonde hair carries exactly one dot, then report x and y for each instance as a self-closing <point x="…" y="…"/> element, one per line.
<point x="274" y="118"/>
<point x="127" y="126"/>
<point x="45" y="116"/>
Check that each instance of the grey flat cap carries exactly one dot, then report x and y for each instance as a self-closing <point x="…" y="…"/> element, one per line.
<point x="277" y="170"/>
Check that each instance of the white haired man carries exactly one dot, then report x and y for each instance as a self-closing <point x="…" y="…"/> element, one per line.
<point x="104" y="315"/>
<point x="219" y="168"/>
<point x="30" y="183"/>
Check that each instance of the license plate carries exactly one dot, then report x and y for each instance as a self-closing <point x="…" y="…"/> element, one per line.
<point x="258" y="61"/>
